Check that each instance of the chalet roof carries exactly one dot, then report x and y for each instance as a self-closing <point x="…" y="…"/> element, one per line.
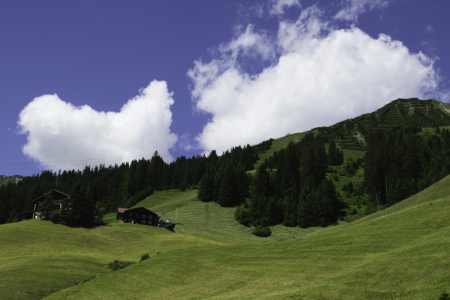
<point x="122" y="210"/>
<point x="59" y="194"/>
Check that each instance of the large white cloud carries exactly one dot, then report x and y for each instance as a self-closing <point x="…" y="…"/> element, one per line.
<point x="323" y="75"/>
<point x="63" y="136"/>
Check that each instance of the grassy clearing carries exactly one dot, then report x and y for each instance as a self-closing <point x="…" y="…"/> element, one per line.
<point x="281" y="143"/>
<point x="208" y="219"/>
<point x="399" y="256"/>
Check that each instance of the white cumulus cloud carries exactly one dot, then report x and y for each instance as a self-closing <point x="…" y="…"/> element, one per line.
<point x="64" y="136"/>
<point x="323" y="75"/>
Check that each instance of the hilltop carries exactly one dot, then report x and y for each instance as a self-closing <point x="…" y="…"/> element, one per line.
<point x="351" y="134"/>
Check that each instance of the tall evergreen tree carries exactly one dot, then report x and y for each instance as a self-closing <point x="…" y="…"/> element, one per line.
<point x="206" y="187"/>
<point x="47" y="207"/>
<point x="228" y="194"/>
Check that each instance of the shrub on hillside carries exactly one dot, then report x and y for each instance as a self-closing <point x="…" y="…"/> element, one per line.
<point x="444" y="296"/>
<point x="144" y="257"/>
<point x="119" y="265"/>
<point x="56" y="218"/>
<point x="262" y="231"/>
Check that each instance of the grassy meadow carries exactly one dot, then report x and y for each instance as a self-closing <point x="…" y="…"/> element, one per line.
<point x="398" y="253"/>
<point x="401" y="255"/>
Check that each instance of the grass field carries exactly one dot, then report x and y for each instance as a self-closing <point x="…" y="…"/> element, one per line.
<point x="281" y="143"/>
<point x="399" y="253"/>
<point x="398" y="256"/>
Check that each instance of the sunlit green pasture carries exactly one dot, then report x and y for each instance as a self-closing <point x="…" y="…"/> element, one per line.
<point x="38" y="257"/>
<point x="402" y="254"/>
<point x="398" y="256"/>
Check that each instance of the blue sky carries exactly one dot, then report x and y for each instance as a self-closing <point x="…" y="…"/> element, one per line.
<point x="102" y="82"/>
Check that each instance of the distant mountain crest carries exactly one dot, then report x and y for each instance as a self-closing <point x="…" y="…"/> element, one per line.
<point x="350" y="134"/>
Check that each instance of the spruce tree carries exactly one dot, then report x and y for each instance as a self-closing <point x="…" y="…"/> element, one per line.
<point x="242" y="184"/>
<point x="47" y="207"/>
<point x="217" y="183"/>
<point x="291" y="211"/>
<point x="206" y="187"/>
<point x="228" y="194"/>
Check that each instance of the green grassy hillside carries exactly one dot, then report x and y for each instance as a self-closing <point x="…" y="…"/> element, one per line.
<point x="38" y="257"/>
<point x="398" y="256"/>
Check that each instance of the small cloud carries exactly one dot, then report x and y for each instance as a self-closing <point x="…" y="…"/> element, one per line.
<point x="429" y="29"/>
<point x="353" y="8"/>
<point x="184" y="142"/>
<point x="245" y="13"/>
<point x="277" y="7"/>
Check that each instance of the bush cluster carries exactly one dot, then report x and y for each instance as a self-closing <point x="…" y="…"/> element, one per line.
<point x="144" y="257"/>
<point x="119" y="265"/>
<point x="262" y="231"/>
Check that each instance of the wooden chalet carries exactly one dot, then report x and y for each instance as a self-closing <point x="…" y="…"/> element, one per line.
<point x="138" y="215"/>
<point x="58" y="199"/>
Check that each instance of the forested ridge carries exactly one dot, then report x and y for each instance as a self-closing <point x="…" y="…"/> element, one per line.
<point x="296" y="186"/>
<point x="122" y="185"/>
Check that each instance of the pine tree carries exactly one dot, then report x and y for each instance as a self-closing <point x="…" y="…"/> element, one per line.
<point x="291" y="211"/>
<point x="206" y="187"/>
<point x="217" y="183"/>
<point x="47" y="207"/>
<point x="242" y="183"/>
<point x="228" y="194"/>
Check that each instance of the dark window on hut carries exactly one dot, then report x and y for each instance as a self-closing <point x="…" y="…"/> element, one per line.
<point x="149" y="222"/>
<point x="143" y="222"/>
<point x="150" y="217"/>
<point x="143" y="216"/>
<point x="130" y="214"/>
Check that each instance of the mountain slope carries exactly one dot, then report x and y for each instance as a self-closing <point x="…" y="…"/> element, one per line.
<point x="398" y="256"/>
<point x="351" y="134"/>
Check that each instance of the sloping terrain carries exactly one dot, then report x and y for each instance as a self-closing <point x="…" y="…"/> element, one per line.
<point x="398" y="256"/>
<point x="350" y="135"/>
<point x="38" y="258"/>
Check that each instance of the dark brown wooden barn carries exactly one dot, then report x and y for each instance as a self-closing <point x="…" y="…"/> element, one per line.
<point x="138" y="215"/>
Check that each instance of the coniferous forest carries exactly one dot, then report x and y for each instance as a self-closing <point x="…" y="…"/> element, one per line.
<point x="293" y="187"/>
<point x="122" y="185"/>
